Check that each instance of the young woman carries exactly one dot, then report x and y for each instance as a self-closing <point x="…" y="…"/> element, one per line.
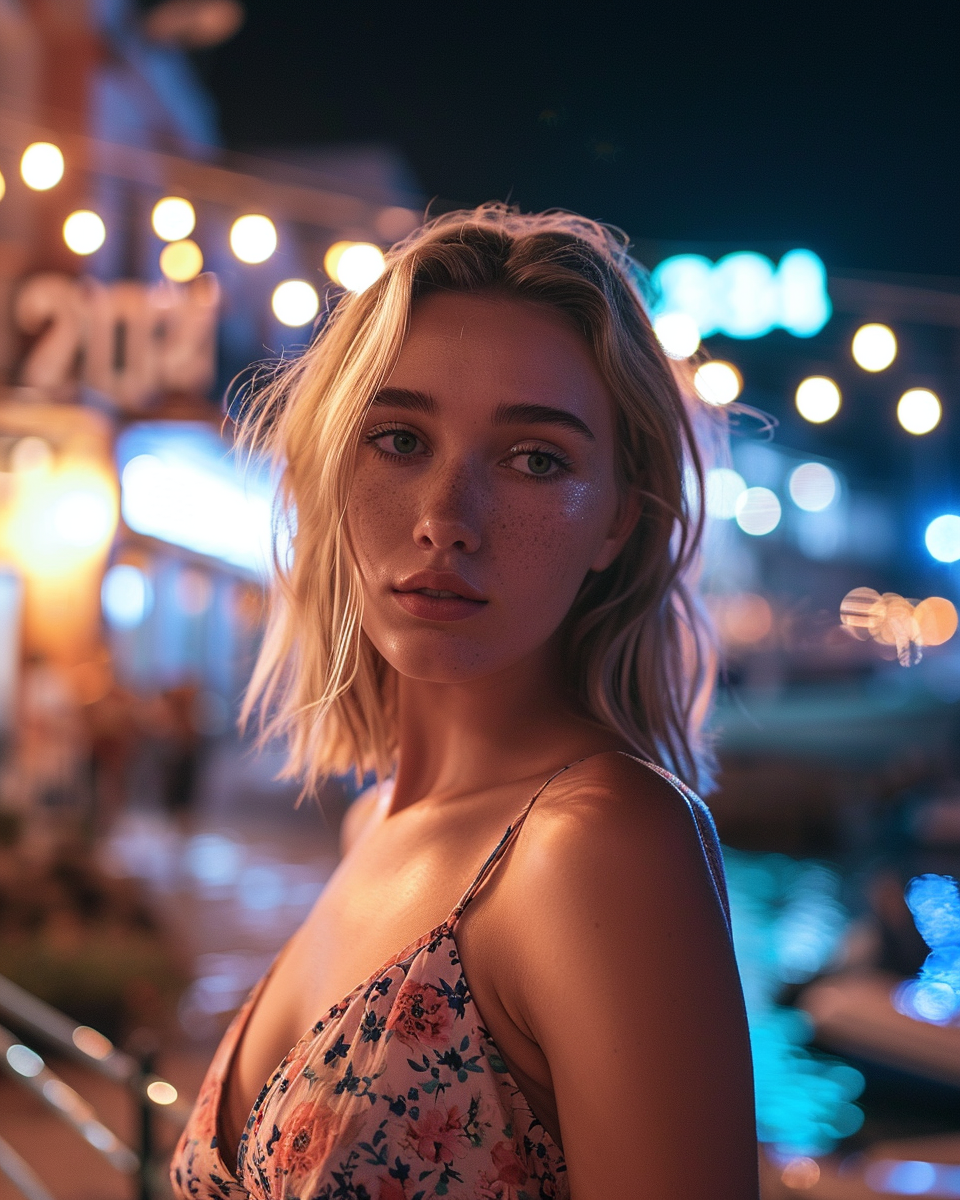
<point x="483" y="460"/>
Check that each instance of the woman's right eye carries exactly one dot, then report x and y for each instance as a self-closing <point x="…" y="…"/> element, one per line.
<point x="396" y="443"/>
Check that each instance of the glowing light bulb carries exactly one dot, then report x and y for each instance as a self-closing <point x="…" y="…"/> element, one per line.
<point x="332" y="258"/>
<point x="874" y="347"/>
<point x="813" y="487"/>
<point x="253" y="238"/>
<point x="295" y="302"/>
<point x="717" y="382"/>
<point x="919" y="411"/>
<point x="84" y="232"/>
<point x="936" y="620"/>
<point x="818" y="399"/>
<point x="161" y="1092"/>
<point x="181" y="261"/>
<point x="758" y="511"/>
<point x="677" y="334"/>
<point x="942" y="538"/>
<point x="724" y="488"/>
<point x="41" y="166"/>
<point x="360" y="265"/>
<point x="173" y="218"/>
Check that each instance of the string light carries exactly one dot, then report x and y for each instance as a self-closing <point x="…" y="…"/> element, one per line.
<point x="173" y="218"/>
<point x="41" y="166"/>
<point x="874" y="347"/>
<point x="818" y="399"/>
<point x="84" y="231"/>
<point x="919" y="411"/>
<point x="253" y="238"/>
<point x="677" y="334"/>
<point x="295" y="302"/>
<point x="181" y="261"/>
<point x="717" y="382"/>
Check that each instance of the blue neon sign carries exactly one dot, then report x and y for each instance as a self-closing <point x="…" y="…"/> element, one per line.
<point x="743" y="294"/>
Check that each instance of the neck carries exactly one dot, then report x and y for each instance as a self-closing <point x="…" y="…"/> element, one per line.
<point x="459" y="738"/>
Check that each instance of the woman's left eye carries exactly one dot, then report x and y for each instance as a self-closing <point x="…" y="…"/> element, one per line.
<point x="537" y="464"/>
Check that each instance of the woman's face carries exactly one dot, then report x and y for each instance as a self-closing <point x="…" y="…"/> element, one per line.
<point x="484" y="489"/>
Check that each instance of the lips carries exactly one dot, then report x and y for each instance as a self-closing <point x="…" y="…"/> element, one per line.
<point x="438" y="596"/>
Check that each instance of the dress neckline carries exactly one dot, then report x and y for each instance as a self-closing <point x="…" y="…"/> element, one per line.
<point x="446" y="928"/>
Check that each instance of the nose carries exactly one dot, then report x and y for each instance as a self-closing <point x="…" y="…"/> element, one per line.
<point x="449" y="514"/>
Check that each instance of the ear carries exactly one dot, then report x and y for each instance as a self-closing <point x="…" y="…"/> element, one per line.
<point x="624" y="522"/>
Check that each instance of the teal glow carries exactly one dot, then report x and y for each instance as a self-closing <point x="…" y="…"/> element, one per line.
<point x="934" y="996"/>
<point x="787" y="923"/>
<point x="743" y="295"/>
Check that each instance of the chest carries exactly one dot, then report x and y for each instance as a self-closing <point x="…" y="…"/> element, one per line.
<point x="396" y="885"/>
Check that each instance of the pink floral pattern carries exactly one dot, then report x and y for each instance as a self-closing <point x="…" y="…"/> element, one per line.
<point x="399" y="1094"/>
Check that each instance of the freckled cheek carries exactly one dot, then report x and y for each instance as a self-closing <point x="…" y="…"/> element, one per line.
<point x="548" y="544"/>
<point x="379" y="519"/>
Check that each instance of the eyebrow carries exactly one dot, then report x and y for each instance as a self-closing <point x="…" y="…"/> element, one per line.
<point x="505" y="414"/>
<point x="541" y="414"/>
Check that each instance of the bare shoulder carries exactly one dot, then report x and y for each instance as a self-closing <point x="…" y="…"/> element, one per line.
<point x="357" y="818"/>
<point x="617" y="798"/>
<point x="621" y="838"/>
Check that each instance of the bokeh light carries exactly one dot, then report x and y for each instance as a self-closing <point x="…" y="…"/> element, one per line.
<point x="84" y="231"/>
<point x="743" y="619"/>
<point x="758" y="511"/>
<point x="919" y="411"/>
<point x="41" y="166"/>
<point x="356" y="265"/>
<point x="818" y="399"/>
<point x="717" y="382"/>
<point x="30" y="454"/>
<point x="942" y="538"/>
<point x="677" y="334"/>
<point x="126" y="595"/>
<point x="85" y="516"/>
<point x="161" y="1092"/>
<point x="295" y="302"/>
<point x="181" y="261"/>
<point x="936" y="620"/>
<point x="3" y="186"/>
<point x="253" y="238"/>
<point x="813" y="487"/>
<point x="173" y="218"/>
<point x="724" y="488"/>
<point x="801" y="1173"/>
<point x="874" y="347"/>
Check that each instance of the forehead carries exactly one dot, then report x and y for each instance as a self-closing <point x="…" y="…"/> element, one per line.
<point x="491" y="348"/>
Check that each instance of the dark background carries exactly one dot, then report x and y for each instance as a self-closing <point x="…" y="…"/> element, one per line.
<point x="829" y="126"/>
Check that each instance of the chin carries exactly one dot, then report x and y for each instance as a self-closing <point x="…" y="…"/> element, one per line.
<point x="436" y="657"/>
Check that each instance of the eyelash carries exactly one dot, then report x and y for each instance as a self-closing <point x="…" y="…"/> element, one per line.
<point x="563" y="463"/>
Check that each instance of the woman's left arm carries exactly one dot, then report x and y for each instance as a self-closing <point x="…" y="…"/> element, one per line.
<point x="629" y="986"/>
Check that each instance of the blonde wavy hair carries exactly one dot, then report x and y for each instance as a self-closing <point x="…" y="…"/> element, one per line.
<point x="636" y="640"/>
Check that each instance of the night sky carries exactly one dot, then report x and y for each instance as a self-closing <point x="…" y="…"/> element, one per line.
<point x="831" y="126"/>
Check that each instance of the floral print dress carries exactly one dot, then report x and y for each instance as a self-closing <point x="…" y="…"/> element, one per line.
<point x="399" y="1093"/>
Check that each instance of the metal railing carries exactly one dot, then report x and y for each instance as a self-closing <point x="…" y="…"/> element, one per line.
<point x="152" y="1094"/>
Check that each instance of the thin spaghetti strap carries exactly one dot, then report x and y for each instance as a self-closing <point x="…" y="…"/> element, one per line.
<point x="500" y="849"/>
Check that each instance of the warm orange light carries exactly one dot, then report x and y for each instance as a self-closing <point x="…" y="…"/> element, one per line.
<point x="181" y="261"/>
<point x="936" y="620"/>
<point x="744" y="619"/>
<point x="801" y="1174"/>
<point x="60" y="519"/>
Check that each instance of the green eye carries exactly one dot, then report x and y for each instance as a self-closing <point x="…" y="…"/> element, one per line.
<point x="404" y="443"/>
<point x="539" y="464"/>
